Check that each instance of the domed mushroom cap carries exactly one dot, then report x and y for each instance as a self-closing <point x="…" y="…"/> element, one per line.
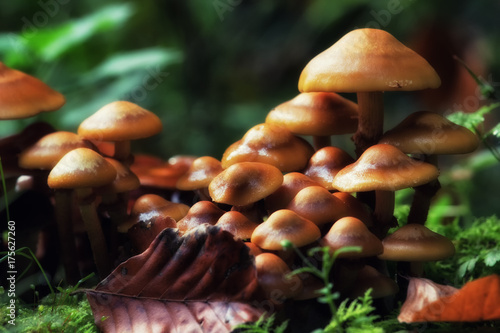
<point x="244" y="183"/>
<point x="49" y="149"/>
<point x="23" y="96"/>
<point x="384" y="167"/>
<point x="318" y="205"/>
<point x="120" y="121"/>
<point x="200" y="174"/>
<point x="316" y="113"/>
<point x="430" y="133"/>
<point x="271" y="274"/>
<point x="237" y="224"/>
<point x="293" y="182"/>
<point x="350" y="231"/>
<point x="367" y="60"/>
<point x="125" y="179"/>
<point x="80" y="168"/>
<point x="325" y="163"/>
<point x="271" y="144"/>
<point x="199" y="213"/>
<point x="285" y="225"/>
<point x="415" y="242"/>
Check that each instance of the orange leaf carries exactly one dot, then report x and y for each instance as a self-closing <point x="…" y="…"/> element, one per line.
<point x="201" y="282"/>
<point x="477" y="300"/>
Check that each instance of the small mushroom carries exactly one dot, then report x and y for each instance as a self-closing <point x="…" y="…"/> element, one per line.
<point x="318" y="114"/>
<point x="199" y="213"/>
<point x="325" y="163"/>
<point x="237" y="224"/>
<point x="293" y="182"/>
<point x="199" y="175"/>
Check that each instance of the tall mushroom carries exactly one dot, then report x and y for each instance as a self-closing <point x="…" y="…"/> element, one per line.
<point x="120" y="122"/>
<point x="83" y="169"/>
<point x="368" y="62"/>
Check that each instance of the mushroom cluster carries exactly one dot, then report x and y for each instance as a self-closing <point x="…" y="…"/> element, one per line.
<point x="283" y="180"/>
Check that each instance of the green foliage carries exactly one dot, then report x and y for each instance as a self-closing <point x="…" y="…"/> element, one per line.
<point x="477" y="250"/>
<point x="263" y="325"/>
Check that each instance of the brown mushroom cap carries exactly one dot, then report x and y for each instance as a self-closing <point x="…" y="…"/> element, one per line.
<point x="271" y="144"/>
<point x="317" y="204"/>
<point x="200" y="173"/>
<point x="81" y="168"/>
<point x="23" y="96"/>
<point x="237" y="224"/>
<point x="384" y="167"/>
<point x="244" y="183"/>
<point x="366" y="60"/>
<point x="350" y="231"/>
<point x="430" y="133"/>
<point x="380" y="284"/>
<point x="415" y="242"/>
<point x="199" y="213"/>
<point x="120" y="121"/>
<point x="271" y="274"/>
<point x="325" y="163"/>
<point x="285" y="225"/>
<point x="316" y="113"/>
<point x="48" y="150"/>
<point x="125" y="179"/>
<point x="293" y="182"/>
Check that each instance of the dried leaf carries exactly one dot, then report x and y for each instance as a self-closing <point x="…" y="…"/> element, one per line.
<point x="477" y="300"/>
<point x="201" y="282"/>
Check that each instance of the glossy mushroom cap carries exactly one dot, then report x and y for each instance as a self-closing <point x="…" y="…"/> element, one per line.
<point x="245" y="183"/>
<point x="384" y="167"/>
<point x="366" y="60"/>
<point x="325" y="163"/>
<point x="49" y="149"/>
<point x="81" y="168"/>
<point x="415" y="242"/>
<point x="350" y="231"/>
<point x="200" y="174"/>
<point x="120" y="121"/>
<point x="23" y="96"/>
<point x="316" y="113"/>
<point x="125" y="179"/>
<point x="237" y="224"/>
<point x="430" y="133"/>
<point x="285" y="225"/>
<point x="200" y="213"/>
<point x="293" y="182"/>
<point x="271" y="144"/>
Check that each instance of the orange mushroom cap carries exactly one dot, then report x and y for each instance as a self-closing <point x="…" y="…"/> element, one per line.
<point x="316" y="113"/>
<point x="200" y="174"/>
<point x="23" y="96"/>
<point x="244" y="183"/>
<point x="366" y="60"/>
<point x="81" y="168"/>
<point x="325" y="163"/>
<point x="120" y="121"/>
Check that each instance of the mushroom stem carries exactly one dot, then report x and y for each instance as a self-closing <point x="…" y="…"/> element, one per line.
<point x="320" y="141"/>
<point x="122" y="151"/>
<point x="63" y="206"/>
<point x="86" y="201"/>
<point x="370" y="120"/>
<point x="423" y="196"/>
<point x="384" y="210"/>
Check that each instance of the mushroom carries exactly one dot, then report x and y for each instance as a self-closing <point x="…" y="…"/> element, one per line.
<point x="384" y="169"/>
<point x="368" y="62"/>
<point x="199" y="175"/>
<point x="325" y="163"/>
<point x="293" y="182"/>
<point x="120" y="122"/>
<point x="318" y="114"/>
<point x="23" y="96"/>
<point x="199" y="213"/>
<point x="416" y="244"/>
<point x="237" y="224"/>
<point x="429" y="134"/>
<point x="44" y="155"/>
<point x="271" y="144"/>
<point x="83" y="169"/>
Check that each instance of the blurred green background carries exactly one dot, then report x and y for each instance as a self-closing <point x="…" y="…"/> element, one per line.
<point x="211" y="69"/>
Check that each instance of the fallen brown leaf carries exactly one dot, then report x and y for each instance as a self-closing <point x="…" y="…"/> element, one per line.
<point x="203" y="281"/>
